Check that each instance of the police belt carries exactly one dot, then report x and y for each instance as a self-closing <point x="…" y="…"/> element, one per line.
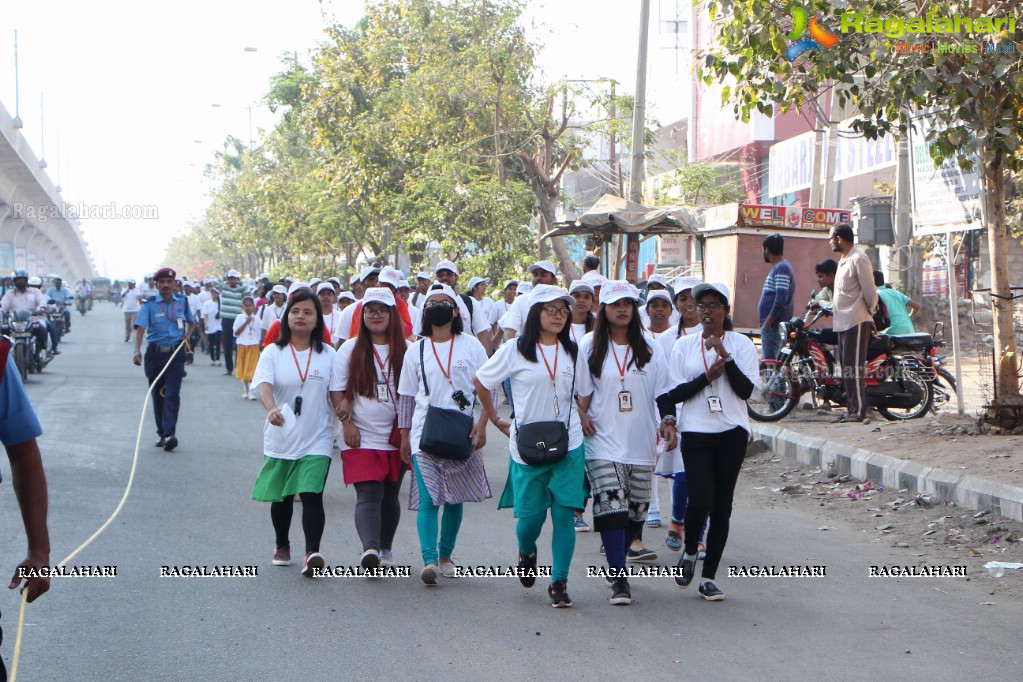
<point x="162" y="349"/>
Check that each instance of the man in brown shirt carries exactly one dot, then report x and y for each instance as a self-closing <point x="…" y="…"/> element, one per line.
<point x="855" y="300"/>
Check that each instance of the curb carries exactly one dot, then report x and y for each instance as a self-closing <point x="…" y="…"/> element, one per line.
<point x="969" y="492"/>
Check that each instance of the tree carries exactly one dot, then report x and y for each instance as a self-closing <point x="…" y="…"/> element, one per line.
<point x="974" y="97"/>
<point x="698" y="184"/>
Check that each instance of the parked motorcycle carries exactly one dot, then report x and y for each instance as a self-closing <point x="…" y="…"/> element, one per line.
<point x="899" y="386"/>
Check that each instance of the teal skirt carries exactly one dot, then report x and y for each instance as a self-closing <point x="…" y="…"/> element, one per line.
<point x="280" y="479"/>
<point x="531" y="490"/>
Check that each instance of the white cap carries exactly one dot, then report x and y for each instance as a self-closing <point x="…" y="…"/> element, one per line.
<point x="295" y="286"/>
<point x="439" y="289"/>
<point x="392" y="277"/>
<point x="424" y="275"/>
<point x="314" y="282"/>
<point x="721" y="289"/>
<point x="524" y="288"/>
<point x="335" y="280"/>
<point x="478" y="280"/>
<point x="378" y="295"/>
<point x="509" y="283"/>
<point x="324" y="286"/>
<point x="353" y="280"/>
<point x="542" y="265"/>
<point x="264" y="276"/>
<point x="595" y="279"/>
<point x="580" y="285"/>
<point x="683" y="283"/>
<point x="289" y="280"/>
<point x="404" y="284"/>
<point x="546" y="293"/>
<point x="654" y="295"/>
<point x="616" y="290"/>
<point x="346" y="296"/>
<point x="233" y="273"/>
<point x="446" y="265"/>
<point x="279" y="289"/>
<point x="657" y="279"/>
<point x="367" y="271"/>
<point x="131" y="281"/>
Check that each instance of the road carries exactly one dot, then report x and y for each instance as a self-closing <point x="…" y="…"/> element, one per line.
<point x="192" y="507"/>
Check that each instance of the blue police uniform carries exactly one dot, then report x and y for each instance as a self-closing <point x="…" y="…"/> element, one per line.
<point x="164" y="323"/>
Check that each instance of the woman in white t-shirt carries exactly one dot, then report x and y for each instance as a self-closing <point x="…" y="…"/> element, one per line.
<point x="328" y="300"/>
<point x="543" y="365"/>
<point x="620" y="421"/>
<point x="364" y="391"/>
<point x="715" y="372"/>
<point x="247" y="332"/>
<point x="293" y="376"/>
<point x="582" y="310"/>
<point x="273" y="310"/>
<point x="212" y="329"/>
<point x="445" y="360"/>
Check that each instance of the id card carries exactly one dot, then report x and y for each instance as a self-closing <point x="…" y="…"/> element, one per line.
<point x="181" y="323"/>
<point x="382" y="393"/>
<point x="714" y="403"/>
<point x="625" y="401"/>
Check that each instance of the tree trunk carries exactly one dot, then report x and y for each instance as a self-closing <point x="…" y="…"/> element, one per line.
<point x="1001" y="295"/>
<point x="547" y="199"/>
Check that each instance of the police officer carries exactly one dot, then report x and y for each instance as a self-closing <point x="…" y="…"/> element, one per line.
<point x="166" y="320"/>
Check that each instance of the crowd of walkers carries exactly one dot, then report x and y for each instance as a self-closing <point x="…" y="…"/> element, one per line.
<point x="608" y="389"/>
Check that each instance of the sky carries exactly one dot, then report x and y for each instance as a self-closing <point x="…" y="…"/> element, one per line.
<point x="128" y="101"/>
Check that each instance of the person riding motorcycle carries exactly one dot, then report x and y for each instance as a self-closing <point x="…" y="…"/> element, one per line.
<point x="24" y="297"/>
<point x="42" y="316"/>
<point x="60" y="295"/>
<point x="84" y="290"/>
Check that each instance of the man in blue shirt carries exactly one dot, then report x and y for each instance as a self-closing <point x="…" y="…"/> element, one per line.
<point x="59" y="294"/>
<point x="166" y="321"/>
<point x="776" y="298"/>
<point x="19" y="429"/>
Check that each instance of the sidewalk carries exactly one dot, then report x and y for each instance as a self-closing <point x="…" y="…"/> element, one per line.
<point x="945" y="456"/>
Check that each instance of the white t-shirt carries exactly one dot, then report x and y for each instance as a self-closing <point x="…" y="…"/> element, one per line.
<point x="578" y="332"/>
<point x="513" y="319"/>
<point x="312" y="432"/>
<point x="271" y="313"/>
<point x="480" y="323"/>
<point x="331" y="320"/>
<point x="497" y="311"/>
<point x="672" y="321"/>
<point x="687" y="362"/>
<point x="416" y="317"/>
<point x="373" y="418"/>
<point x="210" y="310"/>
<point x="531" y="386"/>
<point x="130" y="299"/>
<point x="466" y="359"/>
<point x="195" y="305"/>
<point x="668" y="339"/>
<point x="487" y="304"/>
<point x="344" y="322"/>
<point x="626" y="437"/>
<point x="205" y="295"/>
<point x="252" y="333"/>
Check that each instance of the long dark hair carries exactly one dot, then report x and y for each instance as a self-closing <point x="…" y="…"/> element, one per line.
<point x="457" y="326"/>
<point x="316" y="338"/>
<point x="641" y="353"/>
<point x="530" y="335"/>
<point x="362" y="372"/>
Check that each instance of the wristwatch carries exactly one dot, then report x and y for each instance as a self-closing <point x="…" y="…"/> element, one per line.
<point x="669" y="420"/>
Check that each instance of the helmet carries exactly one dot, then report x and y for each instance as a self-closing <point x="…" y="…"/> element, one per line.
<point x="20" y="273"/>
<point x="35" y="282"/>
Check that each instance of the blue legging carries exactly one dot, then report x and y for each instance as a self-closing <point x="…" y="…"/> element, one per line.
<point x="679" y="497"/>
<point x="562" y="537"/>
<point x="426" y="522"/>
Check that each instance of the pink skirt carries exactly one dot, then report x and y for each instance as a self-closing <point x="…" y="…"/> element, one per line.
<point x="363" y="465"/>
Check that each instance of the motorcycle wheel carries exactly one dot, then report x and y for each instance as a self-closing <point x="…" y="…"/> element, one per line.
<point x="918" y="410"/>
<point x="947" y="376"/>
<point x="777" y="395"/>
<point x="21" y="360"/>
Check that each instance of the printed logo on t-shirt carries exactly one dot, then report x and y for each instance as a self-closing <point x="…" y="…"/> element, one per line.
<point x="315" y="375"/>
<point x="460" y="365"/>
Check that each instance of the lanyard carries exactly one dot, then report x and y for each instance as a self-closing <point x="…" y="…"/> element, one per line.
<point x="278" y="310"/>
<point x="165" y="313"/>
<point x="451" y="350"/>
<point x="703" y="353"/>
<point x="553" y="374"/>
<point x="308" y="361"/>
<point x="330" y="326"/>
<point x="386" y="375"/>
<point x="623" y="365"/>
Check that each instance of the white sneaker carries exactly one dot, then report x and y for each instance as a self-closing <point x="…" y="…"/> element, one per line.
<point x="429" y="574"/>
<point x="386" y="558"/>
<point x="448" y="569"/>
<point x="312" y="562"/>
<point x="370" y="558"/>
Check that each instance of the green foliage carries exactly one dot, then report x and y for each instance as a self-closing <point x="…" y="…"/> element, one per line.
<point x="698" y="184"/>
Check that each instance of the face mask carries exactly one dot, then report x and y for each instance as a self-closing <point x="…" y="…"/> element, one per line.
<point x="439" y="316"/>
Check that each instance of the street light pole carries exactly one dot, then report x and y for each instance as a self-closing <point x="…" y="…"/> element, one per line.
<point x="17" y="93"/>
<point x="638" y="141"/>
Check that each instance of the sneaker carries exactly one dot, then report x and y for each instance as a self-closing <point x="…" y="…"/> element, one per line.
<point x="580" y="524"/>
<point x="386" y="558"/>
<point x="701" y="552"/>
<point x="170" y="443"/>
<point x="429" y="574"/>
<point x="653" y="521"/>
<point x="644" y="554"/>
<point x="710" y="591"/>
<point x="370" y="558"/>
<point x="602" y="551"/>
<point x="245" y="395"/>
<point x="448" y="569"/>
<point x="311" y="562"/>
<point x="620" y="594"/>
<point x="527" y="562"/>
<point x="282" y="556"/>
<point x="688" y="567"/>
<point x="558" y="592"/>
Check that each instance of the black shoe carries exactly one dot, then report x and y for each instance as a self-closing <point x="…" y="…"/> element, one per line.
<point x="170" y="443"/>
<point x="620" y="593"/>
<point x="710" y="591"/>
<point x="558" y="592"/>
<point x="688" y="567"/>
<point x="527" y="562"/>
<point x="645" y="554"/>
<point x="56" y="351"/>
<point x="160" y="443"/>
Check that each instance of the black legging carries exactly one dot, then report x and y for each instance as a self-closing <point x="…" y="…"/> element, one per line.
<point x="712" y="464"/>
<point x="313" y="520"/>
<point x="213" y="339"/>
<point x="377" y="511"/>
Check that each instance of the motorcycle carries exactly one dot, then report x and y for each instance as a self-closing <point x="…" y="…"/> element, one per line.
<point x="82" y="303"/>
<point x="56" y="317"/>
<point x="899" y="386"/>
<point x="18" y="326"/>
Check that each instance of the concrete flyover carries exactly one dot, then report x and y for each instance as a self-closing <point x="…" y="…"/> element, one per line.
<point x="35" y="232"/>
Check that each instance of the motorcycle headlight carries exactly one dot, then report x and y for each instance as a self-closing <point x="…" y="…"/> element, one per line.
<point x="20" y="326"/>
<point x="784" y="327"/>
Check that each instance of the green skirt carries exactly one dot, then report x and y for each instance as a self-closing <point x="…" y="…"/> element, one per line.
<point x="530" y="490"/>
<point x="280" y="479"/>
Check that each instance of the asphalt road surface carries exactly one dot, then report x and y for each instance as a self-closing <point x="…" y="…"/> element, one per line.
<point x="192" y="507"/>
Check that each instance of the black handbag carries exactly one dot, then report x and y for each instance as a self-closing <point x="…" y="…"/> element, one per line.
<point x="542" y="443"/>
<point x="446" y="433"/>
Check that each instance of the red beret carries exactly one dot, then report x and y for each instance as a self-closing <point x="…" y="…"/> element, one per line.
<point x="165" y="272"/>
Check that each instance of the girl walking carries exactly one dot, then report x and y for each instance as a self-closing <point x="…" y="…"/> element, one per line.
<point x="247" y="332"/>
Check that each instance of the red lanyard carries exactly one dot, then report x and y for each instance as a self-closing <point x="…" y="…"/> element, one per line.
<point x="703" y="354"/>
<point x="386" y="377"/>
<point x="622" y="366"/>
<point x="553" y="373"/>
<point x="447" y="374"/>
<point x="308" y="361"/>
<point x="165" y="313"/>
